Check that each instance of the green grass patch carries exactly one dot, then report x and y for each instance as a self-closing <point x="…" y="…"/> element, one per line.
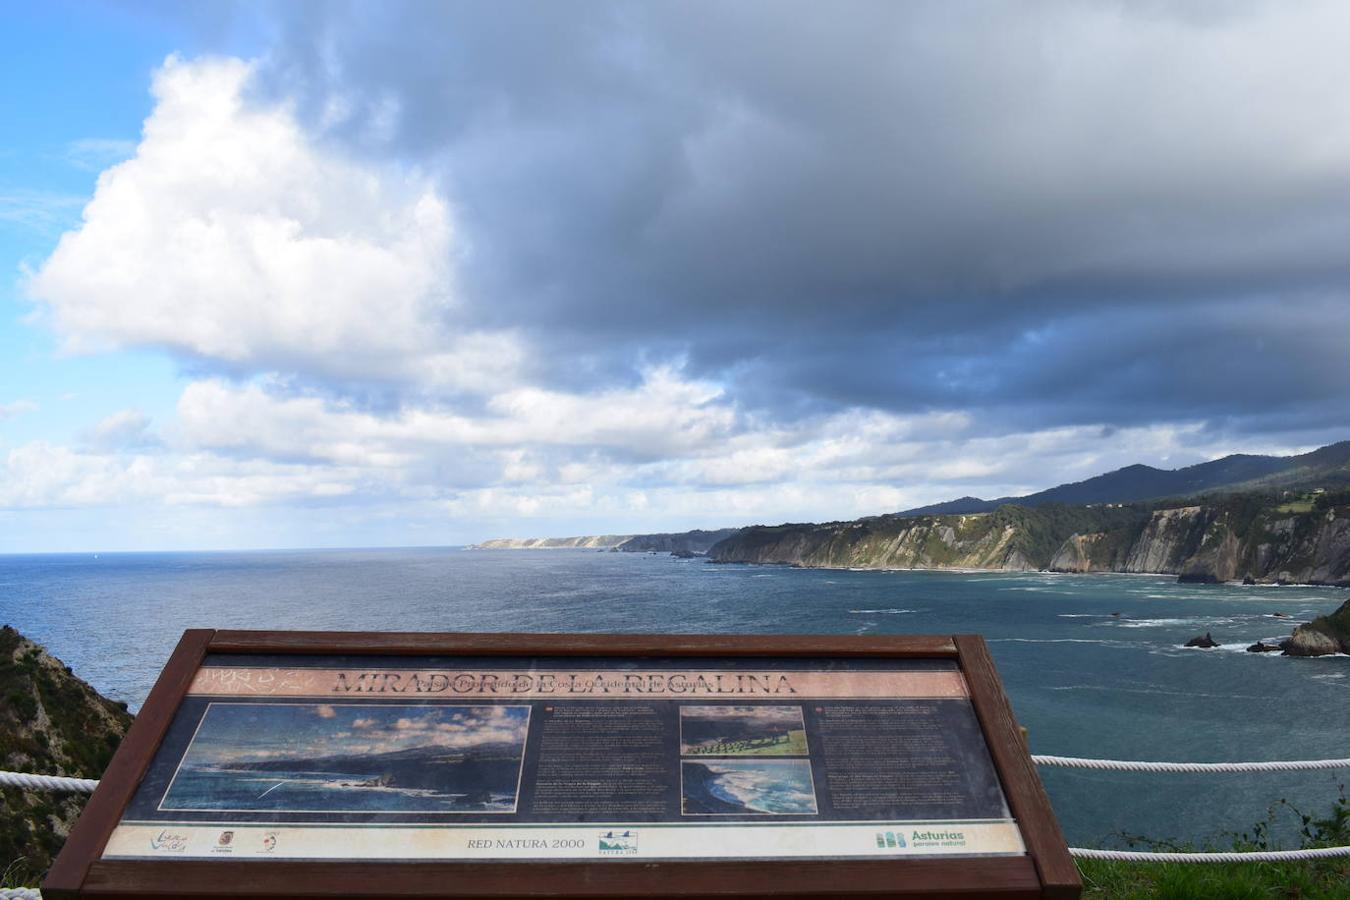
<point x="1297" y="507"/>
<point x="1312" y="880"/>
<point x="1316" y="879"/>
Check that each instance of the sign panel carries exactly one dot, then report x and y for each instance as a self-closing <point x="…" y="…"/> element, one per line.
<point x="315" y="764"/>
<point x="553" y="759"/>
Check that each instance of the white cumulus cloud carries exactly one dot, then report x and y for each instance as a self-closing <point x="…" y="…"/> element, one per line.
<point x="232" y="236"/>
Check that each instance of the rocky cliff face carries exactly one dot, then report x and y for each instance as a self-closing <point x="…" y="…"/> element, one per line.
<point x="51" y="723"/>
<point x="1188" y="540"/>
<point x="1236" y="538"/>
<point x="1010" y="538"/>
<point x="1323" y="635"/>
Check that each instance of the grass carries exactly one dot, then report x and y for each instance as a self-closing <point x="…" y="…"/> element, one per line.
<point x="1298" y="507"/>
<point x="1318" y="879"/>
<point x="1313" y="880"/>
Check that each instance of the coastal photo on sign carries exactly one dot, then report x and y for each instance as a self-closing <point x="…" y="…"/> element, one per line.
<point x="726" y="787"/>
<point x="742" y="731"/>
<point x="331" y="758"/>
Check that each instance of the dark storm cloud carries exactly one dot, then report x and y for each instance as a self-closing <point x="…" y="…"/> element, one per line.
<point x="1049" y="213"/>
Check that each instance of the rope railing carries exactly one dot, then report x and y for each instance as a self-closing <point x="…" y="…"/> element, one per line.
<point x="1244" y="856"/>
<point x="1131" y="765"/>
<point x="28" y="781"/>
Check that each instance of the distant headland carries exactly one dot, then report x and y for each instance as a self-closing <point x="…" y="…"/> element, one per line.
<point x="1259" y="519"/>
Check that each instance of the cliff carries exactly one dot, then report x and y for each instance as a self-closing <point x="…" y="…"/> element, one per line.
<point x="1223" y="539"/>
<point x="582" y="542"/>
<point x="51" y="723"/>
<point x="696" y="541"/>
<point x="1009" y="538"/>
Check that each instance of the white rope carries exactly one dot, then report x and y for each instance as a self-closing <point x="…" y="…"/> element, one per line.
<point x="47" y="782"/>
<point x="87" y="785"/>
<point x="1253" y="856"/>
<point x="1129" y="765"/>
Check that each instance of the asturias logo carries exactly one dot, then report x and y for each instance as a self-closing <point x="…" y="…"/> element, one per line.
<point x="890" y="840"/>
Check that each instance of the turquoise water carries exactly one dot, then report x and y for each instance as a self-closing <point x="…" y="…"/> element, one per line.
<point x="1084" y="682"/>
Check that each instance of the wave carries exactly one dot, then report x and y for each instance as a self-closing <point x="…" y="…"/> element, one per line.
<point x="888" y="612"/>
<point x="1061" y="641"/>
<point x="781" y="791"/>
<point x="1117" y="689"/>
<point x="1195" y="621"/>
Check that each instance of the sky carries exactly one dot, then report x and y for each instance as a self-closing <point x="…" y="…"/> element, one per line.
<point x="235" y="732"/>
<point x="339" y="274"/>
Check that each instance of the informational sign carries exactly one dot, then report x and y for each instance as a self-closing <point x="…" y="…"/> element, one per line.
<point x="279" y="759"/>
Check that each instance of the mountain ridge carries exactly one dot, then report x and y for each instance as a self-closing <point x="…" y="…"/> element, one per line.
<point x="1139" y="482"/>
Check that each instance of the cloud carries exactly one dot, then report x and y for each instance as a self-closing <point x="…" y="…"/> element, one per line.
<point x="39" y="211"/>
<point x="234" y="239"/>
<point x="97" y="154"/>
<point x="870" y="209"/>
<point x="44" y="475"/>
<point x="127" y="429"/>
<point x="325" y="711"/>
<point x="629" y="267"/>
<point x="16" y="408"/>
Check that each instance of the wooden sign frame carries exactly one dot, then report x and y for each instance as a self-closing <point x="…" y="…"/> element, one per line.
<point x="1046" y="870"/>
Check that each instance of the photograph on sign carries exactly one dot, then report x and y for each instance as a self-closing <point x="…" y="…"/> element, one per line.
<point x="252" y="757"/>
<point x="742" y="731"/>
<point x="728" y="787"/>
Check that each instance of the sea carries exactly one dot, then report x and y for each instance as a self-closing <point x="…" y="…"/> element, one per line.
<point x="1093" y="664"/>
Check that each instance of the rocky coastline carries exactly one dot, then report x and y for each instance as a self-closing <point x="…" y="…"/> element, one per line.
<point x="1249" y="539"/>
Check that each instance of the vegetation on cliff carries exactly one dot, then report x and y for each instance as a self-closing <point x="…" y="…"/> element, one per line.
<point x="696" y="541"/>
<point x="51" y="723"/>
<point x="1314" y="879"/>
<point x="1221" y="537"/>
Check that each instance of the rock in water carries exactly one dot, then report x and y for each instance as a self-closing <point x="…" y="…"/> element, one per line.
<point x="1263" y="647"/>
<point x="1321" y="636"/>
<point x="51" y="723"/>
<point x="1197" y="578"/>
<point x="1204" y="642"/>
<point x="1307" y="641"/>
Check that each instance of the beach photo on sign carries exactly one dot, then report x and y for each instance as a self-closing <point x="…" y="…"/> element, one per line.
<point x="729" y="787"/>
<point x="337" y="758"/>
<point x="742" y="731"/>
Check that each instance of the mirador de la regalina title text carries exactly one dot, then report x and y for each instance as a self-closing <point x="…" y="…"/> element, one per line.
<point x="631" y="684"/>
